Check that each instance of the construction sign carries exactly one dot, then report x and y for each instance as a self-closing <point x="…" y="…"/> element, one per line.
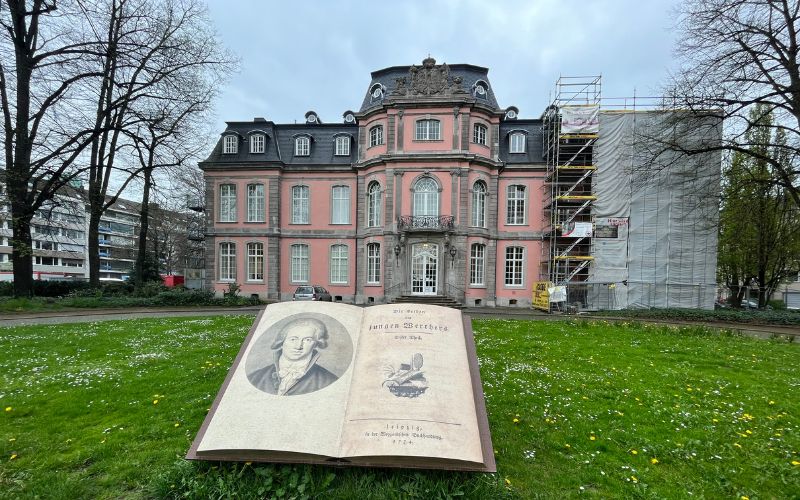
<point x="541" y="295"/>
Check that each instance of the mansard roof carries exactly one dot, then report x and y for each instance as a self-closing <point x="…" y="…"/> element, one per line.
<point x="430" y="80"/>
<point x="533" y="142"/>
<point x="279" y="143"/>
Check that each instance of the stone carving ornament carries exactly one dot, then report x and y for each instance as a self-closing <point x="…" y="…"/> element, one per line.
<point x="427" y="80"/>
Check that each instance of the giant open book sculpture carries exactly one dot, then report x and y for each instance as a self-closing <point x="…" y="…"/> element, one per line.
<point x="390" y="386"/>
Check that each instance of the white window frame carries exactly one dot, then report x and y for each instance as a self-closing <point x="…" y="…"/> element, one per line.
<point x="374" y="204"/>
<point x="255" y="203"/>
<point x="230" y="144"/>
<point x="376" y="135"/>
<point x="424" y="130"/>
<point x="477" y="264"/>
<point x="342" y="146"/>
<point x="299" y="263"/>
<point x="339" y="264"/>
<point x="514" y="275"/>
<point x="340" y="204"/>
<point x="227" y="261"/>
<point x="255" y="261"/>
<point x="227" y="203"/>
<point x="514" y="203"/>
<point x="516" y="142"/>
<point x="479" y="203"/>
<point x="373" y="263"/>
<point x="257" y="142"/>
<point x="302" y="146"/>
<point x="301" y="196"/>
<point x="426" y="202"/>
<point x="480" y="133"/>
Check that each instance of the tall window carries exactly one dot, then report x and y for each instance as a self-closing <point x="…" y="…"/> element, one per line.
<point x="477" y="264"/>
<point x="227" y="262"/>
<point x="255" y="203"/>
<point x="255" y="261"/>
<point x="516" y="143"/>
<point x="230" y="145"/>
<point x="479" y="134"/>
<point x="342" y="146"/>
<point x="514" y="266"/>
<point x="340" y="209"/>
<point x="373" y="263"/>
<point x="257" y="143"/>
<point x="479" y="204"/>
<point x="299" y="263"/>
<point x="428" y="130"/>
<point x="515" y="206"/>
<point x="339" y="271"/>
<point x="299" y="204"/>
<point x="227" y="203"/>
<point x="302" y="146"/>
<point x="426" y="197"/>
<point x="374" y="204"/>
<point x="376" y="135"/>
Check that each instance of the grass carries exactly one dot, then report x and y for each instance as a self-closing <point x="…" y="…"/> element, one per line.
<point x="107" y="410"/>
<point x="165" y="299"/>
<point x="751" y="316"/>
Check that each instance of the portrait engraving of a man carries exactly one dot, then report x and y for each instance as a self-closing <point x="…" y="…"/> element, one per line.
<point x="295" y="352"/>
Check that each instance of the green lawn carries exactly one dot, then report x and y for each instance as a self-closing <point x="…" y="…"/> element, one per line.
<point x="605" y="410"/>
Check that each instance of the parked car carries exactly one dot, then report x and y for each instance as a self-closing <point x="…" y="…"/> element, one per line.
<point x="309" y="292"/>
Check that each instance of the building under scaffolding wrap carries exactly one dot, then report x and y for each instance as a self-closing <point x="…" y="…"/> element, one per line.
<point x="628" y="223"/>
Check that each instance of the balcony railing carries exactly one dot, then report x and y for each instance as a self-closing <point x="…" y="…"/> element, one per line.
<point x="433" y="222"/>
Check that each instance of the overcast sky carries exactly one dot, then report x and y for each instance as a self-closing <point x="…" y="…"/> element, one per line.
<point x="317" y="55"/>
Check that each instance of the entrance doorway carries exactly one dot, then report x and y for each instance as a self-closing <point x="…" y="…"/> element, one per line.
<point x="424" y="269"/>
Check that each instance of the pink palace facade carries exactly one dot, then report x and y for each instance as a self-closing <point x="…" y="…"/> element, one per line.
<point x="429" y="189"/>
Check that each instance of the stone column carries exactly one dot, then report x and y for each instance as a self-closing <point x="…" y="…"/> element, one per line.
<point x="274" y="240"/>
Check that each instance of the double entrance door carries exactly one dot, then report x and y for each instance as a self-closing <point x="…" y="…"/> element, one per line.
<point x="425" y="269"/>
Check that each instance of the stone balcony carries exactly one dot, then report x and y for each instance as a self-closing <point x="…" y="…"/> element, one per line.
<point x="433" y="223"/>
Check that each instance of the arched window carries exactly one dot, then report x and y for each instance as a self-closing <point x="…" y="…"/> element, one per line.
<point x="426" y="197"/>
<point x="428" y="130"/>
<point x="299" y="263"/>
<point x="338" y="264"/>
<point x="479" y="204"/>
<point x="374" y="204"/>
<point x="255" y="262"/>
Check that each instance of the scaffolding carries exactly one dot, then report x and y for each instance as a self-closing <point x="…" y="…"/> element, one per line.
<point x="570" y="127"/>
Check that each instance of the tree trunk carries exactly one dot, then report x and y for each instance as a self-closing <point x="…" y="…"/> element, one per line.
<point x="144" y="219"/>
<point x="93" y="244"/>
<point x="22" y="255"/>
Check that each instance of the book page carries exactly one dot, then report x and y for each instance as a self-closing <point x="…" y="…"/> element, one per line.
<point x="411" y="392"/>
<point x="289" y="389"/>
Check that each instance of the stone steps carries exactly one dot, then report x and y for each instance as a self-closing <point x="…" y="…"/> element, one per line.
<point x="436" y="300"/>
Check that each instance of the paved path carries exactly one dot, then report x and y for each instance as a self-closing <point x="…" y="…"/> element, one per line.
<point x="84" y="315"/>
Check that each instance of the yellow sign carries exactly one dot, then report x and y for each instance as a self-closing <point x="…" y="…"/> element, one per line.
<point x="541" y="297"/>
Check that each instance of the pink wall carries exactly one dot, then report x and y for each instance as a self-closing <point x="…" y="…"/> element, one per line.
<point x="241" y="180"/>
<point x="371" y="152"/>
<point x="247" y="287"/>
<point x="533" y="206"/>
<point x="444" y="115"/>
<point x="319" y="259"/>
<point x="320" y="200"/>
<point x="530" y="268"/>
<point x="442" y="177"/>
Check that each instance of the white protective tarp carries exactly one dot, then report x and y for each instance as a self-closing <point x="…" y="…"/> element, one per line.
<point x="666" y="255"/>
<point x="579" y="119"/>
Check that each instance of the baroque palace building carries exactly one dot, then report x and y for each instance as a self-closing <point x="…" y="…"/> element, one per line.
<point x="429" y="189"/>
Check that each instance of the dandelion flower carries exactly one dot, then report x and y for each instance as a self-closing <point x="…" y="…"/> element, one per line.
<point x="592" y="438"/>
<point x="13" y="456"/>
<point x="771" y="402"/>
<point x="177" y="424"/>
<point x="634" y="452"/>
<point x="155" y="401"/>
<point x="567" y="446"/>
<point x="516" y="420"/>
<point x="737" y="445"/>
<point x="795" y="463"/>
<point x="8" y="408"/>
<point x="634" y="479"/>
<point x="744" y="497"/>
<point x="508" y="482"/>
<point x="11" y="440"/>
<point x="654" y="461"/>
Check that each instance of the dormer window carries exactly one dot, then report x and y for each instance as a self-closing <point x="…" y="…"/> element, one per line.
<point x="480" y="89"/>
<point x="511" y="113"/>
<point x="342" y="146"/>
<point x="376" y="92"/>
<point x="311" y="117"/>
<point x="516" y="142"/>
<point x="349" y="117"/>
<point x="230" y="145"/>
<point x="257" y="143"/>
<point x="376" y="135"/>
<point x="302" y="146"/>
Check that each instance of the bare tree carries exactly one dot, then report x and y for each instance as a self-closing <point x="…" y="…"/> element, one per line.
<point x="735" y="55"/>
<point x="43" y="127"/>
<point x="154" y="50"/>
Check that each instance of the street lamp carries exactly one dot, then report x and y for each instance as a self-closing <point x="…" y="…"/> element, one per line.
<point x="452" y="253"/>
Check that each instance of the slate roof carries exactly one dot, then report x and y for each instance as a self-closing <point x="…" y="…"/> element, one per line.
<point x="469" y="74"/>
<point x="279" y="145"/>
<point x="533" y="142"/>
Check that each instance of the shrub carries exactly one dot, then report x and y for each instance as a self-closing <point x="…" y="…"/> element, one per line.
<point x="150" y="289"/>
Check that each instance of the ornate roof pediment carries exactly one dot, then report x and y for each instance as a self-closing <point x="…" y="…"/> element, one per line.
<point x="429" y="79"/>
